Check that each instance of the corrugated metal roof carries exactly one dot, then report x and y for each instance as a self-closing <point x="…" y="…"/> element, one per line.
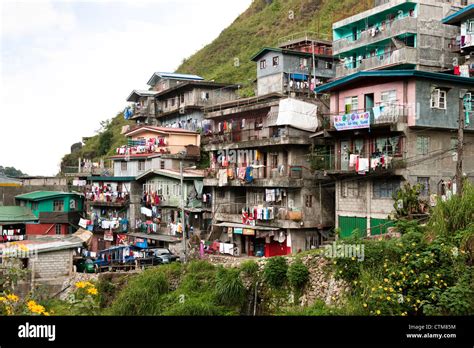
<point x="6" y="181"/>
<point x="465" y="13"/>
<point x="16" y="214"/>
<point x="175" y="76"/>
<point x="136" y="93"/>
<point x="111" y="178"/>
<point x="160" y="129"/>
<point x="41" y="195"/>
<point x="154" y="236"/>
<point x="188" y="174"/>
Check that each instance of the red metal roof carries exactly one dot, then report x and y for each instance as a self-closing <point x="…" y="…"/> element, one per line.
<point x="161" y="129"/>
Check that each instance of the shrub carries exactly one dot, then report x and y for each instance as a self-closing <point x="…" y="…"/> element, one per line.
<point x="298" y="274"/>
<point x="249" y="268"/>
<point x="275" y="271"/>
<point x="229" y="287"/>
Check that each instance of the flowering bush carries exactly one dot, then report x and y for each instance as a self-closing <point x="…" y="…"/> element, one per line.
<point x="11" y="304"/>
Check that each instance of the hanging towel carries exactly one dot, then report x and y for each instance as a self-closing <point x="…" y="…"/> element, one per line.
<point x="363" y="165"/>
<point x="377" y="110"/>
<point x="353" y="160"/>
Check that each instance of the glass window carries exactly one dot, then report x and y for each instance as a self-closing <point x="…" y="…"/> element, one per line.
<point x="388" y="97"/>
<point x="58" y="205"/>
<point x="34" y="206"/>
<point x="308" y="201"/>
<point x="58" y="229"/>
<point x="162" y="164"/>
<point x="276" y="61"/>
<point x="438" y="99"/>
<point x="351" y="104"/>
<point x="263" y="64"/>
<point x="350" y="188"/>
<point x="422" y="145"/>
<point x="123" y="165"/>
<point x="425" y="185"/>
<point x="141" y="165"/>
<point x="385" y="188"/>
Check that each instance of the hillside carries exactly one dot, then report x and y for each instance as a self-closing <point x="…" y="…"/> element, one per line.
<point x="264" y="23"/>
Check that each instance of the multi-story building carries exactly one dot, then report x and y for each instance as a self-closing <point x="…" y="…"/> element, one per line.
<point x="177" y="100"/>
<point x="391" y="127"/>
<point x="296" y="67"/>
<point x="464" y="42"/>
<point x="399" y="34"/>
<point x="265" y="199"/>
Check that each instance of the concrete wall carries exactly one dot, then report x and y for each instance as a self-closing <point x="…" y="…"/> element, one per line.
<point x="53" y="264"/>
<point x="46" y="181"/>
<point x="7" y="194"/>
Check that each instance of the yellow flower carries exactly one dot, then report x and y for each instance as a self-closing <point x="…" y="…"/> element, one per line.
<point x="404" y="314"/>
<point x="398" y="283"/>
<point x="2" y="299"/>
<point x="89" y="284"/>
<point x="365" y="305"/>
<point x="413" y="244"/>
<point x="378" y="312"/>
<point x="438" y="275"/>
<point x="408" y="299"/>
<point x="80" y="285"/>
<point x="12" y="297"/>
<point x="418" y="301"/>
<point x="353" y="258"/>
<point x="385" y="280"/>
<point x="385" y="289"/>
<point x="391" y="290"/>
<point x="399" y="289"/>
<point x="427" y="276"/>
<point x="388" y="298"/>
<point x="335" y="262"/>
<point x="92" y="291"/>
<point x="46" y="314"/>
<point x="9" y="310"/>
<point x="373" y="289"/>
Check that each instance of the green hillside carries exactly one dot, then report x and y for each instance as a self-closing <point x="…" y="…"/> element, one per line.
<point x="227" y="58"/>
<point x="264" y="23"/>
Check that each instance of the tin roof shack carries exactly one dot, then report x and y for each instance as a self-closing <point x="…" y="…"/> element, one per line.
<point x="13" y="221"/>
<point x="58" y="212"/>
<point x="49" y="259"/>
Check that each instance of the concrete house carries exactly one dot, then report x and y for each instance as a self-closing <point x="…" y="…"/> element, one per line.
<point x="297" y="66"/>
<point x="398" y="34"/>
<point x="389" y="127"/>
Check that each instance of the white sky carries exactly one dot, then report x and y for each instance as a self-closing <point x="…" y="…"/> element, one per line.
<point x="67" y="65"/>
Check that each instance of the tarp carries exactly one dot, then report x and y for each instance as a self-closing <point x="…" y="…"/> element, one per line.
<point x="298" y="114"/>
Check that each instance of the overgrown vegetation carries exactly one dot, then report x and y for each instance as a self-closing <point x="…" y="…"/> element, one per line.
<point x="298" y="275"/>
<point x="275" y="272"/>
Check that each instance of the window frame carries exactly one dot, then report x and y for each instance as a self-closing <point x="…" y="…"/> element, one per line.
<point x="58" y="205"/>
<point x="308" y="201"/>
<point x="435" y="99"/>
<point x="350" y="189"/>
<point x="384" y="188"/>
<point x="263" y="64"/>
<point x="122" y="165"/>
<point x="56" y="228"/>
<point x="141" y="165"/>
<point x="422" y="145"/>
<point x="276" y="61"/>
<point x="425" y="191"/>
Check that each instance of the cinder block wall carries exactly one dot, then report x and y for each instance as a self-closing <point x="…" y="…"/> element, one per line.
<point x="50" y="265"/>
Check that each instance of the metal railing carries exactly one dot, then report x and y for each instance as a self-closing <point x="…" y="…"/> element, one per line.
<point x="280" y="212"/>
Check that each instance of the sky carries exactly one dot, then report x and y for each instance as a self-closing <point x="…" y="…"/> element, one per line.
<point x="67" y="65"/>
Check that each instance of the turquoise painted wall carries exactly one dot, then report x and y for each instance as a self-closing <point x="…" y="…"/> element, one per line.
<point x="47" y="205"/>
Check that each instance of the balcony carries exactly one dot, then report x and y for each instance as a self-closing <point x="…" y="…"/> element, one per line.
<point x="293" y="176"/>
<point x="405" y="55"/>
<point x="390" y="115"/>
<point x="144" y="111"/>
<point x="283" y="217"/>
<point x="392" y="28"/>
<point x="253" y="138"/>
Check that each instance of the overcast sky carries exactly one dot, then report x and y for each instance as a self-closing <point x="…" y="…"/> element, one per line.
<point x="67" y="65"/>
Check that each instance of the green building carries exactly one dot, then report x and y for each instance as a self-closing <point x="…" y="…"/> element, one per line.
<point x="52" y="202"/>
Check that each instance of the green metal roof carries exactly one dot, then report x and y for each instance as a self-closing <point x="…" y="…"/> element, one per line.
<point x="111" y="178"/>
<point x="12" y="214"/>
<point x="279" y="50"/>
<point x="339" y="83"/>
<point x="457" y="17"/>
<point x="41" y="195"/>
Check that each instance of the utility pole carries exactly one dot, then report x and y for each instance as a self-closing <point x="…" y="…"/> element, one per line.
<point x="182" y="211"/>
<point x="459" y="171"/>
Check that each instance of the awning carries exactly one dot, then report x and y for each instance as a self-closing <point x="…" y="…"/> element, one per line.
<point x="302" y="77"/>
<point x="236" y="225"/>
<point x="154" y="236"/>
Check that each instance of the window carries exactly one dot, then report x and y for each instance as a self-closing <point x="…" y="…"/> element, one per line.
<point x="166" y="103"/>
<point x="470" y="27"/>
<point x="425" y="183"/>
<point x="351" y="104"/>
<point x="123" y="165"/>
<point x="141" y="165"/>
<point x="162" y="164"/>
<point x="388" y="97"/>
<point x="359" y="146"/>
<point x="58" y="205"/>
<point x="350" y="188"/>
<point x="258" y="123"/>
<point x="181" y="98"/>
<point x="173" y="101"/>
<point x="276" y="61"/>
<point x="385" y="188"/>
<point x="263" y="64"/>
<point x="34" y="205"/>
<point x="58" y="228"/>
<point x="274" y="160"/>
<point x="438" y="99"/>
<point x="303" y="63"/>
<point x="308" y="201"/>
<point x="328" y="65"/>
<point x="388" y="145"/>
<point x="221" y="194"/>
<point x="422" y="145"/>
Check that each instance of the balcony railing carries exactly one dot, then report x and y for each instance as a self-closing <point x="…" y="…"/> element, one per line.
<point x="279" y="212"/>
<point x="263" y="173"/>
<point x="405" y="55"/>
<point x="385" y="114"/>
<point x="275" y="134"/>
<point x="391" y="28"/>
